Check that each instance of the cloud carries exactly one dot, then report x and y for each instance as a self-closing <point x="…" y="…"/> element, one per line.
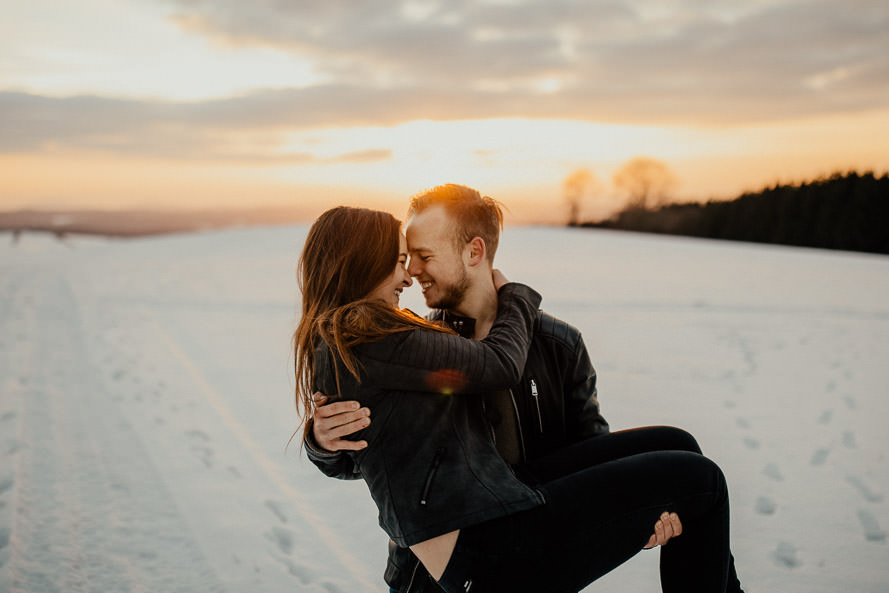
<point x="248" y="129"/>
<point x="722" y="62"/>
<point x="604" y="61"/>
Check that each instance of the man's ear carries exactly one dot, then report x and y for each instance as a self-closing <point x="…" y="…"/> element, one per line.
<point x="476" y="251"/>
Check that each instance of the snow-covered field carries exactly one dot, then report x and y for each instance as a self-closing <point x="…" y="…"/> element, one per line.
<point x="146" y="401"/>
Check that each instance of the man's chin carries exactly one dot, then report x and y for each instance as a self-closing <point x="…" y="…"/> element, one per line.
<point x="448" y="304"/>
<point x="449" y="299"/>
<point x="432" y="301"/>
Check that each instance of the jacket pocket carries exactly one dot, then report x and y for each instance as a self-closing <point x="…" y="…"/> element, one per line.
<point x="430" y="475"/>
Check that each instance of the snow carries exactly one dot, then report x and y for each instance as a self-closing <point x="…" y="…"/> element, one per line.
<point x="146" y="405"/>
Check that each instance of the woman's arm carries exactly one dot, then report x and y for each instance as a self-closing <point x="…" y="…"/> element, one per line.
<point x="426" y="360"/>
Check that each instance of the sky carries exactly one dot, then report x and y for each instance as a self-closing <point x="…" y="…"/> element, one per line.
<point x="199" y="103"/>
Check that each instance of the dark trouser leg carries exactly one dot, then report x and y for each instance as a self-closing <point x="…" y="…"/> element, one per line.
<point x="612" y="446"/>
<point x="604" y="448"/>
<point x="596" y="519"/>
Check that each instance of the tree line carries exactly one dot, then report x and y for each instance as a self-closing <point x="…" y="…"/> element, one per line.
<point x="848" y="211"/>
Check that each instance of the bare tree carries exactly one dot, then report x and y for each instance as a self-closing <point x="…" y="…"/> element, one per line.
<point x="647" y="181"/>
<point x="574" y="188"/>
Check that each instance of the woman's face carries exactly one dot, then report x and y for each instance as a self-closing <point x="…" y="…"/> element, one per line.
<point x="390" y="289"/>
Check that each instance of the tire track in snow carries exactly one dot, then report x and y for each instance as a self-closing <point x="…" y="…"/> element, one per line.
<point x="90" y="512"/>
<point x="348" y="562"/>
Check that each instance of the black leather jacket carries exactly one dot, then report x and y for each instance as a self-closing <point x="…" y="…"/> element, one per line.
<point x="431" y="464"/>
<point x="556" y="404"/>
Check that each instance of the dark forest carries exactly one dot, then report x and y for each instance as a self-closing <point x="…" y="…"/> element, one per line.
<point x="847" y="211"/>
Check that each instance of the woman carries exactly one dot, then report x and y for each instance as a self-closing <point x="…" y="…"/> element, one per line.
<point x="431" y="466"/>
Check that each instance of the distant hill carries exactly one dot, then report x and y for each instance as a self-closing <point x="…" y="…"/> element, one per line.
<point x="135" y="223"/>
<point x="845" y="211"/>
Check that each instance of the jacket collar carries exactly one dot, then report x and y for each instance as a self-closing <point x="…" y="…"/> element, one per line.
<point x="464" y="326"/>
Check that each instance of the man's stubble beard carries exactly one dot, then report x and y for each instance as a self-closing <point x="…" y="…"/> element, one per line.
<point x="453" y="294"/>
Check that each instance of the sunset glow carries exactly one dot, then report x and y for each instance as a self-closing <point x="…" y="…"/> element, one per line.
<point x="135" y="103"/>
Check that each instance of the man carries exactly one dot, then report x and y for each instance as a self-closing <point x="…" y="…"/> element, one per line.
<point x="453" y="234"/>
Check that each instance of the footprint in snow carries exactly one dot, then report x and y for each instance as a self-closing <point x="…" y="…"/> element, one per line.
<point x="786" y="555"/>
<point x="206" y="455"/>
<point x="282" y="538"/>
<point x="765" y="506"/>
<point x="204" y="452"/>
<point x="275" y="508"/>
<point x="771" y="470"/>
<point x="330" y="586"/>
<point x="872" y="530"/>
<point x="751" y="443"/>
<point x="820" y="456"/>
<point x="864" y="490"/>
<point x="299" y="570"/>
<point x="6" y="483"/>
<point x="849" y="439"/>
<point x="825" y="417"/>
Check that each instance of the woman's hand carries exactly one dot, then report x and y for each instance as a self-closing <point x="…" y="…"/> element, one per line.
<point x="499" y="279"/>
<point x="667" y="526"/>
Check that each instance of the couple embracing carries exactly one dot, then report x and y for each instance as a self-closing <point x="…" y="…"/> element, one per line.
<point x="477" y="428"/>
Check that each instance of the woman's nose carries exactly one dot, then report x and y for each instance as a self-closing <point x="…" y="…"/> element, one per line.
<point x="407" y="279"/>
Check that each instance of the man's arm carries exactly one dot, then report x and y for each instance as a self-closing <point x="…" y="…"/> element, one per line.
<point x="437" y="362"/>
<point x="581" y="397"/>
<point x="324" y="444"/>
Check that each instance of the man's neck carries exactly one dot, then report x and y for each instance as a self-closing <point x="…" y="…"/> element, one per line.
<point x="479" y="303"/>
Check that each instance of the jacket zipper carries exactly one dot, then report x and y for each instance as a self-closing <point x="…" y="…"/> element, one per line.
<point x="536" y="397"/>
<point x="436" y="461"/>
<point x="518" y="423"/>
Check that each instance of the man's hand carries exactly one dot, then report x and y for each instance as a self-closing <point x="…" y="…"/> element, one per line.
<point x="334" y="421"/>
<point x="666" y="527"/>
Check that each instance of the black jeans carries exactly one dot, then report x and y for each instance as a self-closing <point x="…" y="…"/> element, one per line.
<point x="603" y="497"/>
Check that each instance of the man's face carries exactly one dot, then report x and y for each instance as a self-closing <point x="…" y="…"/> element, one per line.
<point x="434" y="259"/>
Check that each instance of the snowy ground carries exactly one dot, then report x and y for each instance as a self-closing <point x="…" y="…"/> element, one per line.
<point x="146" y="401"/>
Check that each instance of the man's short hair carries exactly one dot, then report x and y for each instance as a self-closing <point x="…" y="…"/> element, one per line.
<point x="474" y="215"/>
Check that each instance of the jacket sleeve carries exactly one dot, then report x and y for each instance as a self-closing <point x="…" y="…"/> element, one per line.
<point x="438" y="362"/>
<point x="584" y="419"/>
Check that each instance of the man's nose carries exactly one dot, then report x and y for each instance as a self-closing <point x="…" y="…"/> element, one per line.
<point x="413" y="267"/>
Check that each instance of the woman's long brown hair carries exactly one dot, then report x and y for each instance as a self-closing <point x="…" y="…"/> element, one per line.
<point x="348" y="253"/>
